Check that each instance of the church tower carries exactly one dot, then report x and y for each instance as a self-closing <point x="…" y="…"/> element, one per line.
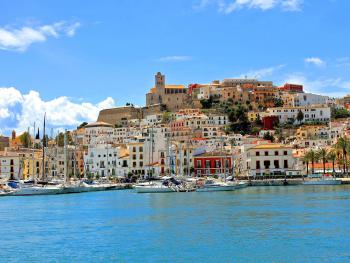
<point x="159" y="81"/>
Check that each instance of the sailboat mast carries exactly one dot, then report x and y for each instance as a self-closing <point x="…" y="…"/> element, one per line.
<point x="33" y="152"/>
<point x="65" y="156"/>
<point x="43" y="156"/>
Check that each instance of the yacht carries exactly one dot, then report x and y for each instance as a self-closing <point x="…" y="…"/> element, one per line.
<point x="23" y="189"/>
<point x="211" y="186"/>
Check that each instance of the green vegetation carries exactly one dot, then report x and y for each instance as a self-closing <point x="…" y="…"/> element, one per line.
<point x="25" y="139"/>
<point x="82" y="125"/>
<point x="269" y="136"/>
<point x="300" y="116"/>
<point x="278" y="102"/>
<point x="60" y="139"/>
<point x="339" y="113"/>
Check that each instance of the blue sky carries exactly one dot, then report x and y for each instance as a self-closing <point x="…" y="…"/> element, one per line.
<point x="86" y="55"/>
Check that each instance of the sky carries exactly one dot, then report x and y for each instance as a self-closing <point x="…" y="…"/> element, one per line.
<point x="74" y="58"/>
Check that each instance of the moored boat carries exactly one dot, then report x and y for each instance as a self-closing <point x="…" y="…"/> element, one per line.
<point x="211" y="186"/>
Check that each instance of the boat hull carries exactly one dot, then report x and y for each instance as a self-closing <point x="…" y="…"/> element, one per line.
<point x="36" y="191"/>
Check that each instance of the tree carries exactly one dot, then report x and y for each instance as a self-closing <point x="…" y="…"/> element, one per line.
<point x="312" y="157"/>
<point x="343" y="146"/>
<point x="278" y="102"/>
<point x="300" y="116"/>
<point x="60" y="139"/>
<point x="268" y="136"/>
<point x="322" y="155"/>
<point x="332" y="156"/>
<point x="82" y="125"/>
<point x="306" y="160"/>
<point x="25" y="139"/>
<point x="207" y="103"/>
<point x="339" y="113"/>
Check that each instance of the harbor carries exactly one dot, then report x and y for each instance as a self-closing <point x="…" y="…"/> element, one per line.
<point x="123" y="226"/>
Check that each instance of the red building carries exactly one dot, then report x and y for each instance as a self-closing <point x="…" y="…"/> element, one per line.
<point x="269" y="122"/>
<point x="292" y="87"/>
<point x="213" y="163"/>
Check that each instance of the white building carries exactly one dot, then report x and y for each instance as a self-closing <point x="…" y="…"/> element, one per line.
<point x="11" y="166"/>
<point x="304" y="99"/>
<point x="271" y="160"/>
<point x="318" y="113"/>
<point x="102" y="160"/>
<point x="99" y="132"/>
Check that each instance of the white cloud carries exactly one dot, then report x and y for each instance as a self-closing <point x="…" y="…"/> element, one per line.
<point x="334" y="87"/>
<point x="20" y="39"/>
<point x="261" y="73"/>
<point x="228" y="7"/>
<point x="19" y="111"/>
<point x="315" y="61"/>
<point x="174" y="58"/>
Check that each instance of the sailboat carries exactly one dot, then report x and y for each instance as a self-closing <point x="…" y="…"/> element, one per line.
<point x="21" y="189"/>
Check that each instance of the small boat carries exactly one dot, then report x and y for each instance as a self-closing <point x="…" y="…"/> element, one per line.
<point x="212" y="186"/>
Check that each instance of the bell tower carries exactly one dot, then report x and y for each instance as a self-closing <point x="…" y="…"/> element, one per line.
<point x="159" y="81"/>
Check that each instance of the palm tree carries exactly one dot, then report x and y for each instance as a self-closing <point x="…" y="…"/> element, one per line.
<point x="310" y="156"/>
<point x="322" y="154"/>
<point x="343" y="146"/>
<point x="332" y="156"/>
<point x="313" y="158"/>
<point x="306" y="159"/>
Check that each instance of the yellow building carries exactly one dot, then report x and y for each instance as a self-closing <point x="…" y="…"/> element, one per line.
<point x="253" y="115"/>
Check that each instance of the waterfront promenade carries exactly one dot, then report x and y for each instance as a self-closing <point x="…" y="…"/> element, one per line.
<point x="255" y="224"/>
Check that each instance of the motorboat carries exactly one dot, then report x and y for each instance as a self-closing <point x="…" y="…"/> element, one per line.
<point x="212" y="185"/>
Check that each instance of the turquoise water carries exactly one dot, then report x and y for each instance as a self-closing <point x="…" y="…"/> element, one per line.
<point x="267" y="224"/>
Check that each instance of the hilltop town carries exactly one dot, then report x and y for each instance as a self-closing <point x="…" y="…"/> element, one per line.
<point x="245" y="128"/>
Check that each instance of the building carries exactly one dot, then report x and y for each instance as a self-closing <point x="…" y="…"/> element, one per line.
<point x="4" y="142"/>
<point x="212" y="163"/>
<point x="317" y="113"/>
<point x="291" y="88"/>
<point x="173" y="97"/>
<point x="99" y="132"/>
<point x="303" y="99"/>
<point x="102" y="161"/>
<point x="271" y="160"/>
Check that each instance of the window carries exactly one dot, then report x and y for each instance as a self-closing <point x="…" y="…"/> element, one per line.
<point x="257" y="153"/>
<point x="276" y="152"/>
<point x="207" y="164"/>
<point x="276" y="164"/>
<point x="266" y="153"/>
<point x="285" y="163"/>
<point x="199" y="164"/>
<point x="257" y="164"/>
<point x="267" y="164"/>
<point x="285" y="153"/>
<point x="217" y="164"/>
